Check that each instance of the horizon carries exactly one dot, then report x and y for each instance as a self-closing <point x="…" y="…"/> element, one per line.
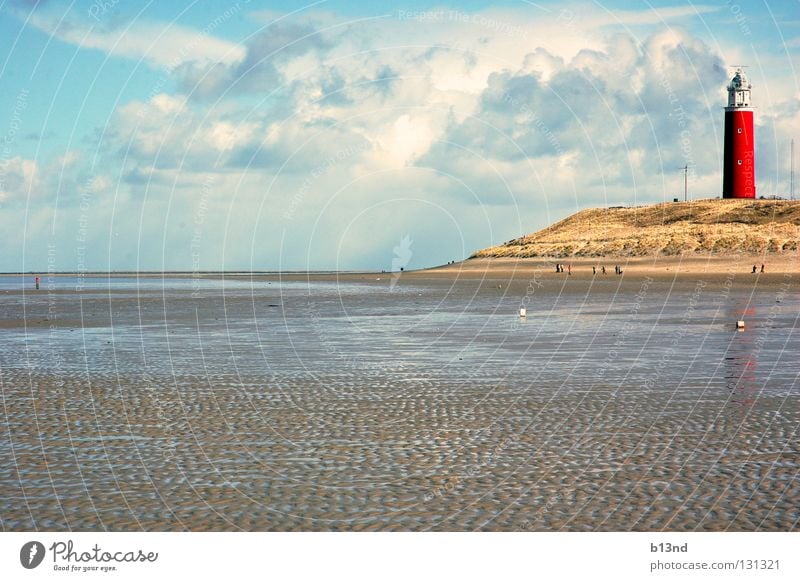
<point x="363" y="137"/>
<point x="323" y="271"/>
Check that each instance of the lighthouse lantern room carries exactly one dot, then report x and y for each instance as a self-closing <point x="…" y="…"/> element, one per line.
<point x="739" y="168"/>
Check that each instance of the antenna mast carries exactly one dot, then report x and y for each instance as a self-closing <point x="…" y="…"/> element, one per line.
<point x="791" y="172"/>
<point x="685" y="182"/>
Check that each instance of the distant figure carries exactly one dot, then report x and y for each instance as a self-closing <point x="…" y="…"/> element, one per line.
<point x="603" y="269"/>
<point x="37" y="283"/>
<point x="754" y="269"/>
<point x="762" y="268"/>
<point x="594" y="270"/>
<point x="557" y="268"/>
<point x="569" y="269"/>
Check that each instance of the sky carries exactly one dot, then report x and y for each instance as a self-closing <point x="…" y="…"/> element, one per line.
<point x="246" y="135"/>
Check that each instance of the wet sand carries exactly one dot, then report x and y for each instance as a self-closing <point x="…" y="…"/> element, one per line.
<point x="413" y="401"/>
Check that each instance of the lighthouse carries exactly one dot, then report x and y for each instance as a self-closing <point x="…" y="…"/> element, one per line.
<point x="739" y="163"/>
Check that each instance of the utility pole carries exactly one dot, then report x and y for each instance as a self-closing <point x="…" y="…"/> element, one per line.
<point x="685" y="182"/>
<point x="791" y="172"/>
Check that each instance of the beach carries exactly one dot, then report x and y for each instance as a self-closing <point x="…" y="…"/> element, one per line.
<point x="413" y="401"/>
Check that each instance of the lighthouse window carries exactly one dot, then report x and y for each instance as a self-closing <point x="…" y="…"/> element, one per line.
<point x="739" y="161"/>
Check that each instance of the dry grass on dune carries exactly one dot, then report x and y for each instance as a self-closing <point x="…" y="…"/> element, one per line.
<point x="674" y="228"/>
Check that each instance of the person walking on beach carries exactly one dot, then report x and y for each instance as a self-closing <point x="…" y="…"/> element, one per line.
<point x="594" y="270"/>
<point x="603" y="269"/>
<point x="569" y="269"/>
<point x="762" y="268"/>
<point x="754" y="269"/>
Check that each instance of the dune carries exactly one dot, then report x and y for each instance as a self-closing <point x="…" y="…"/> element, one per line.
<point x="701" y="227"/>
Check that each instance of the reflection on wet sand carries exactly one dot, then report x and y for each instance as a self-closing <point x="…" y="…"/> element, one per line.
<point x="741" y="365"/>
<point x="427" y="406"/>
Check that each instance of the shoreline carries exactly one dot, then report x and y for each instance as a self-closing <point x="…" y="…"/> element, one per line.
<point x="679" y="265"/>
<point x="273" y="407"/>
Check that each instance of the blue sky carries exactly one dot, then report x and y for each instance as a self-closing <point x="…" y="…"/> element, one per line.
<point x="324" y="135"/>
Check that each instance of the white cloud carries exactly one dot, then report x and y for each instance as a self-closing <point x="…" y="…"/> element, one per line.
<point x="469" y="116"/>
<point x="324" y="148"/>
<point x="226" y="136"/>
<point x="653" y="15"/>
<point x="407" y="138"/>
<point x="163" y="45"/>
<point x="19" y="178"/>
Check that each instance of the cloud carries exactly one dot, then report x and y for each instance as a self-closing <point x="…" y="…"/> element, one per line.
<point x="19" y="179"/>
<point x="460" y="116"/>
<point x="258" y="69"/>
<point x="604" y="123"/>
<point x="161" y="44"/>
<point x="57" y="183"/>
<point x="654" y="15"/>
<point x="170" y="132"/>
<point x="323" y="142"/>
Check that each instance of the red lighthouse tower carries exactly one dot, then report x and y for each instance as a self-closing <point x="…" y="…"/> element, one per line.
<point x="739" y="164"/>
